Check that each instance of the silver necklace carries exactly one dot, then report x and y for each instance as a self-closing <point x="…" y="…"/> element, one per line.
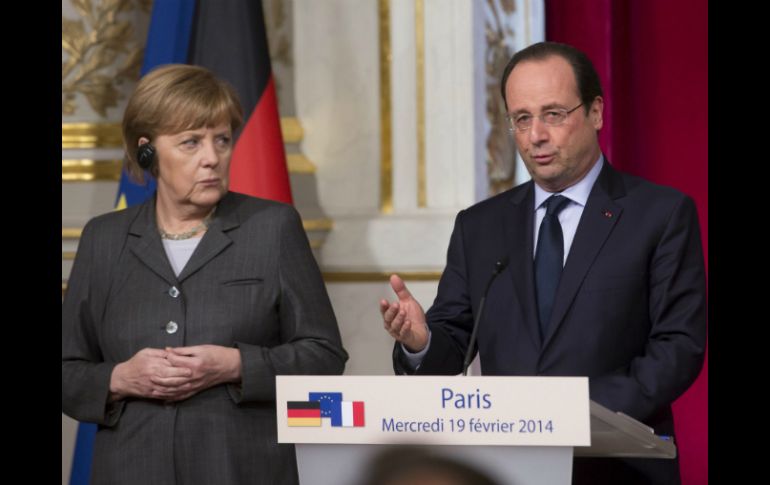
<point x="187" y="234"/>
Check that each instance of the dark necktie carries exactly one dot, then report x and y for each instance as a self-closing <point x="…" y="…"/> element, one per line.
<point x="549" y="258"/>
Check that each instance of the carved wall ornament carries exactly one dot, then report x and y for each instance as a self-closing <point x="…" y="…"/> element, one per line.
<point x="501" y="150"/>
<point x="100" y="52"/>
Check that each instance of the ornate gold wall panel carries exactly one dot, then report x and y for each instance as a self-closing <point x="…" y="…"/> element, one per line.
<point x="501" y="151"/>
<point x="102" y="53"/>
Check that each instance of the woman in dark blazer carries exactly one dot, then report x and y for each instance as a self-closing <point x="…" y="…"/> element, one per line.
<point x="181" y="311"/>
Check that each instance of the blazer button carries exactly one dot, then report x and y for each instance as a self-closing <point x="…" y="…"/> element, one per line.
<point x="171" y="327"/>
<point x="173" y="292"/>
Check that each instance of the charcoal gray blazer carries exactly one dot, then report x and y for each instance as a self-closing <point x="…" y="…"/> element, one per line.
<point x="252" y="283"/>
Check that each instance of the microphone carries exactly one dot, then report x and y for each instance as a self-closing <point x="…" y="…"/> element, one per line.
<point x="499" y="267"/>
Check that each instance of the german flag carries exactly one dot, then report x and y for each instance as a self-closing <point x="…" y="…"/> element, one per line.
<point x="230" y="39"/>
<point x="304" y="413"/>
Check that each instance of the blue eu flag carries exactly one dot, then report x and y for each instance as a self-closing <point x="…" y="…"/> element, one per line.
<point x="331" y="405"/>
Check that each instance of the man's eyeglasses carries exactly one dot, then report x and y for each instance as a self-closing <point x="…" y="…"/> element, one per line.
<point x="551" y="117"/>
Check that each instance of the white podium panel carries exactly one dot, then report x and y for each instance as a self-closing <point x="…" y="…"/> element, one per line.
<point x="520" y="430"/>
<point x="511" y="411"/>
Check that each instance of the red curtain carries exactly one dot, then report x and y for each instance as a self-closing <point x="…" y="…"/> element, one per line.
<point x="652" y="57"/>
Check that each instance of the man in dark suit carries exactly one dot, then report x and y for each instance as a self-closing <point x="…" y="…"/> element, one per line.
<point x="605" y="274"/>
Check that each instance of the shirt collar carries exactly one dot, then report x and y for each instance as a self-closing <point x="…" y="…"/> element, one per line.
<point x="577" y="193"/>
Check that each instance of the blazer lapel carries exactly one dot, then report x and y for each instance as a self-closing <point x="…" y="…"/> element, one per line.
<point x="215" y="240"/>
<point x="600" y="215"/>
<point x="144" y="242"/>
<point x="518" y="224"/>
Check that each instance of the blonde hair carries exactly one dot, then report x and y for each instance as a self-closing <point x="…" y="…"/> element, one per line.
<point x="174" y="98"/>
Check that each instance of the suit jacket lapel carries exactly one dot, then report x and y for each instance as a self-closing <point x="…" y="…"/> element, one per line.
<point x="144" y="242"/>
<point x="215" y="240"/>
<point x="518" y="224"/>
<point x="600" y="215"/>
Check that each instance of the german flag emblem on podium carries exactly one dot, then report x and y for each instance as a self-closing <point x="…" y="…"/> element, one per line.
<point x="304" y="413"/>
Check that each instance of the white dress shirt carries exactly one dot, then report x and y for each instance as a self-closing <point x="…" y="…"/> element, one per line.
<point x="570" y="215"/>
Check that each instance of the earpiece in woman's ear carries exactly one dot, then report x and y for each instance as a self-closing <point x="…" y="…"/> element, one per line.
<point x="145" y="156"/>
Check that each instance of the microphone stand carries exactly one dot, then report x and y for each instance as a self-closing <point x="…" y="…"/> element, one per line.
<point x="499" y="267"/>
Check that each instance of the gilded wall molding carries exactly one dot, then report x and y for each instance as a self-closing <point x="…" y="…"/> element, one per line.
<point x="87" y="170"/>
<point x="71" y="232"/>
<point x="291" y="129"/>
<point x="299" y="163"/>
<point x="91" y="135"/>
<point x="320" y="224"/>
<point x="386" y="131"/>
